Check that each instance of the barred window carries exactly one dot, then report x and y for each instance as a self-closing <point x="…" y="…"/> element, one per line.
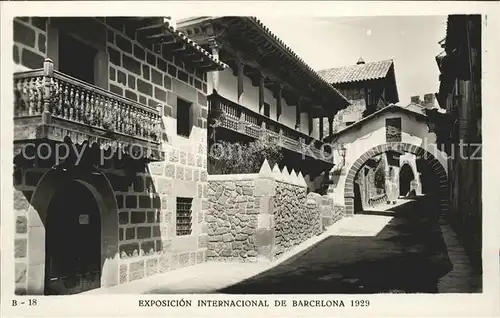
<point x="393" y="129"/>
<point x="183" y="216"/>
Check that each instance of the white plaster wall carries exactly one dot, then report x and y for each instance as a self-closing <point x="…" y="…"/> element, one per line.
<point x="372" y="133"/>
<point x="228" y="88"/>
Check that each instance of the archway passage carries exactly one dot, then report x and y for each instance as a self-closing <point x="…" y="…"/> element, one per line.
<point x="434" y="168"/>
<point x="405" y="177"/>
<point x="73" y="241"/>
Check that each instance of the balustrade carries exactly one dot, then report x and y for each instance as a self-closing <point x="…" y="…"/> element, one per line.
<point x="74" y="101"/>
<point x="239" y="118"/>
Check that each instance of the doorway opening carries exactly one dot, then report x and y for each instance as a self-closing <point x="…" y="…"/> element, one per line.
<point x="73" y="241"/>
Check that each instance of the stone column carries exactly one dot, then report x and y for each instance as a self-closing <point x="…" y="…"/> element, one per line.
<point x="265" y="191"/>
<point x="330" y="126"/>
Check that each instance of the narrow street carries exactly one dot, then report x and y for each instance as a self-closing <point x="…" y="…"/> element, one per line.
<point x="408" y="255"/>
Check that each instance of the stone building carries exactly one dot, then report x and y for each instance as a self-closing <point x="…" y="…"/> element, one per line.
<point x="458" y="128"/>
<point x="368" y="86"/>
<point x="110" y="171"/>
<point x="267" y="91"/>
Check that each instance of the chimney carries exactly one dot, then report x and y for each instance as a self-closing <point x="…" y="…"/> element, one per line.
<point x="415" y="99"/>
<point x="429" y="100"/>
<point x="360" y="61"/>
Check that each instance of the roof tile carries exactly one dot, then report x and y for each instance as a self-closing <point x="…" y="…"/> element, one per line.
<point x="357" y="73"/>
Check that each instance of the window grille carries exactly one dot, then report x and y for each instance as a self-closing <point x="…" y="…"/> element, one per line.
<point x="184" y="216"/>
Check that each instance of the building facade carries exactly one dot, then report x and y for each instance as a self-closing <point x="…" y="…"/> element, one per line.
<point x="459" y="127"/>
<point x="368" y="87"/>
<point x="108" y="116"/>
<point x="268" y="90"/>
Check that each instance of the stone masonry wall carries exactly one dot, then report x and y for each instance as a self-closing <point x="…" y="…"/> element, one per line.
<point x="146" y="199"/>
<point x="260" y="216"/>
<point x="138" y="73"/>
<point x="30" y="42"/>
<point x="295" y="217"/>
<point x="232" y="220"/>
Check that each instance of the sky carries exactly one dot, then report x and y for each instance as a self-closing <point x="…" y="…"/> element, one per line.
<point x="411" y="41"/>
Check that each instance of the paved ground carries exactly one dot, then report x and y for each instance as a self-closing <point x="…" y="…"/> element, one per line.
<point x="391" y="249"/>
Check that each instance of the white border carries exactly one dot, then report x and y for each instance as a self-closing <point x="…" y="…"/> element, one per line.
<point x="485" y="304"/>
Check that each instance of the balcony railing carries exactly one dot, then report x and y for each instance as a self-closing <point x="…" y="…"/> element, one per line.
<point x="243" y="120"/>
<point x="66" y="105"/>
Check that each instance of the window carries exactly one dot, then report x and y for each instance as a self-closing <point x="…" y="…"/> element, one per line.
<point x="348" y="123"/>
<point x="393" y="129"/>
<point x="76" y="58"/>
<point x="184" y="118"/>
<point x="183" y="216"/>
<point x="267" y="110"/>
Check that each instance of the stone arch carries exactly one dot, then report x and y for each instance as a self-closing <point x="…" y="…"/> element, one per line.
<point x="100" y="187"/>
<point x="434" y="164"/>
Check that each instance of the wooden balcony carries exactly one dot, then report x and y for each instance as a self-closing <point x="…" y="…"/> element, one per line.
<point x="49" y="105"/>
<point x="240" y="119"/>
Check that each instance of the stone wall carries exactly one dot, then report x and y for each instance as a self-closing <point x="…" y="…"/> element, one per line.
<point x="147" y="242"/>
<point x="258" y="217"/>
<point x="232" y="219"/>
<point x="30" y="42"/>
<point x="296" y="216"/>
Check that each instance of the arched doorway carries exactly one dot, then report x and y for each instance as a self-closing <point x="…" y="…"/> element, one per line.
<point x="48" y="206"/>
<point x="437" y="170"/>
<point x="73" y="241"/>
<point x="405" y="177"/>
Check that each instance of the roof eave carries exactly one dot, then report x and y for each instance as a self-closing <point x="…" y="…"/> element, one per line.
<point x="314" y="75"/>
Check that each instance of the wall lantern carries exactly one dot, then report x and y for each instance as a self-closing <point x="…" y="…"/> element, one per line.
<point x="340" y="165"/>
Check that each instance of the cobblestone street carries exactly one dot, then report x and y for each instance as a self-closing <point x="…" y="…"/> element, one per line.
<point x="408" y="255"/>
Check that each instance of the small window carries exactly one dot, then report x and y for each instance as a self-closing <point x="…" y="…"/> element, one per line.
<point x="267" y="110"/>
<point x="184" y="118"/>
<point x="183" y="216"/>
<point x="393" y="129"/>
<point x="348" y="123"/>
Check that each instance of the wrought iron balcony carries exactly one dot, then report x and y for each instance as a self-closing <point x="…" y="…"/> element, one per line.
<point x="54" y="106"/>
<point x="245" y="121"/>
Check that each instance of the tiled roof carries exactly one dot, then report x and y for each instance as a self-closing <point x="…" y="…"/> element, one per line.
<point x="357" y="73"/>
<point x="300" y="61"/>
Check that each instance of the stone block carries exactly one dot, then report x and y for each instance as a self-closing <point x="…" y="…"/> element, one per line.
<point x="131" y="201"/>
<point x="20" y="248"/>
<point x="164" y="185"/>
<point x="130" y="233"/>
<point x="136" y="270"/>
<point x="137" y="217"/>
<point x="21" y="270"/>
<point x="24" y="34"/>
<point x="143" y="232"/>
<point x="21" y="224"/>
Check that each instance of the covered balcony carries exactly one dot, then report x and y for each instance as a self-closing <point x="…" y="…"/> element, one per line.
<point x="242" y="120"/>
